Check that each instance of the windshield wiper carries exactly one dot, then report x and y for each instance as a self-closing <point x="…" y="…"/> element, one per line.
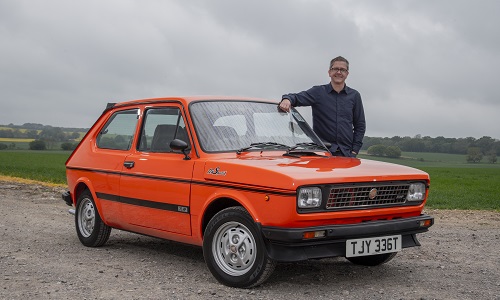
<point x="301" y="149"/>
<point x="264" y="145"/>
<point x="307" y="146"/>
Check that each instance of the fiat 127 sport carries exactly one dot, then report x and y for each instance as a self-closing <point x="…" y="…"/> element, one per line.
<point x="250" y="184"/>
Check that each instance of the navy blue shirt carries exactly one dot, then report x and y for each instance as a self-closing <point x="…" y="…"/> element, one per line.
<point x="338" y="118"/>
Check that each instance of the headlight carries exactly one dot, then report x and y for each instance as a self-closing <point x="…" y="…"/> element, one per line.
<point x="309" y="197"/>
<point x="416" y="192"/>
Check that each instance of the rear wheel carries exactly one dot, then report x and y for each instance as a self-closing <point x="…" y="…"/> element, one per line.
<point x="234" y="249"/>
<point x="372" y="260"/>
<point x="90" y="228"/>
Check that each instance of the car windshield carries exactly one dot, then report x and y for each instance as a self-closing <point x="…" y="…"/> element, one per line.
<point x="228" y="126"/>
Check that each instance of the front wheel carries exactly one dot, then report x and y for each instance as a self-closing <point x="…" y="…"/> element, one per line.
<point x="234" y="249"/>
<point x="372" y="260"/>
<point x="90" y="228"/>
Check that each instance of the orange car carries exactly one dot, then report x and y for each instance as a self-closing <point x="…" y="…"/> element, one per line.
<point x="250" y="184"/>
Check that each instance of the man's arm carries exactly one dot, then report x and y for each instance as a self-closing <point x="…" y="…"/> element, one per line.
<point x="304" y="98"/>
<point x="359" y="125"/>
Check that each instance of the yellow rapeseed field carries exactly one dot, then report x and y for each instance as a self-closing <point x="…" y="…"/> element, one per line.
<point x="15" y="140"/>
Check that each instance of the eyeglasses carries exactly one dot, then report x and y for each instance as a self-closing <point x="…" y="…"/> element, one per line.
<point x="335" y="70"/>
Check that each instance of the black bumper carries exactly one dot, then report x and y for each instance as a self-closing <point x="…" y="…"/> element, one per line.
<point x="288" y="244"/>
<point x="66" y="196"/>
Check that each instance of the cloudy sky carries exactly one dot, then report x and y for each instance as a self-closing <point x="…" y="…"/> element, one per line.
<point x="422" y="67"/>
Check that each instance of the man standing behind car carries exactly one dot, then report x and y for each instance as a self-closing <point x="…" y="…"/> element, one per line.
<point x="337" y="110"/>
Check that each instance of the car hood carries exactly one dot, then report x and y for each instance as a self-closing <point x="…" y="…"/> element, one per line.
<point x="290" y="172"/>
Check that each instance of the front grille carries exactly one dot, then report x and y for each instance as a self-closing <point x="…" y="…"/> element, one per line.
<point x="362" y="196"/>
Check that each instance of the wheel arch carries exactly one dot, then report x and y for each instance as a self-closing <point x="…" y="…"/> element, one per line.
<point x="222" y="199"/>
<point x="214" y="207"/>
<point x="82" y="185"/>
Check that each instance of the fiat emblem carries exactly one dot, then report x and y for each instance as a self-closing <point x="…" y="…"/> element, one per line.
<point x="372" y="194"/>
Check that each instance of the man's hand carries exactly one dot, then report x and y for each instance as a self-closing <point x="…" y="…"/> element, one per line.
<point x="285" y="105"/>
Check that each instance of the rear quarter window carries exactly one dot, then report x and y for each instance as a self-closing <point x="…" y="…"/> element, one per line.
<point x="118" y="132"/>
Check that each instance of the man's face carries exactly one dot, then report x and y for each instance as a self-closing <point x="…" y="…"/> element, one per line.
<point x="338" y="72"/>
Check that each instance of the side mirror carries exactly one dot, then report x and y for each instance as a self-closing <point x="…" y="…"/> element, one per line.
<point x="180" y="145"/>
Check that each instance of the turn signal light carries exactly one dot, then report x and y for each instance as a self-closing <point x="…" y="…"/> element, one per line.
<point x="426" y="223"/>
<point x="314" y="234"/>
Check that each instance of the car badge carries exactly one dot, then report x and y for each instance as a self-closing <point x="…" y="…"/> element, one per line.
<point x="372" y="194"/>
<point x="216" y="171"/>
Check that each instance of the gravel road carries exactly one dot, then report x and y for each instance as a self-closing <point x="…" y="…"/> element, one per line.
<point x="42" y="258"/>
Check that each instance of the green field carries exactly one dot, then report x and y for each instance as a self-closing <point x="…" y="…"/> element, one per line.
<point x="455" y="184"/>
<point x="46" y="166"/>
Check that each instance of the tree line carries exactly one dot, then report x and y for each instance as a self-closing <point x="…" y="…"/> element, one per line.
<point x="53" y="133"/>
<point x="474" y="149"/>
<point x="45" y="136"/>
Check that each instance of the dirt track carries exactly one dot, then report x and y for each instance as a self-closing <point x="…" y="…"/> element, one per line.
<point x="42" y="258"/>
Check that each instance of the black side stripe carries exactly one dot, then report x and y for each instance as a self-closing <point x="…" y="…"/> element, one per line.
<point x="204" y="183"/>
<point x="144" y="203"/>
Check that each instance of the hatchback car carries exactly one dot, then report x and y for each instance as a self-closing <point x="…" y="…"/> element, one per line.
<point x="250" y="184"/>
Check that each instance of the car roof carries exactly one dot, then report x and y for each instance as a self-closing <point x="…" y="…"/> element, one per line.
<point x="186" y="100"/>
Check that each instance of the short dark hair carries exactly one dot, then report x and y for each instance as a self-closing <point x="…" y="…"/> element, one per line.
<point x="339" y="58"/>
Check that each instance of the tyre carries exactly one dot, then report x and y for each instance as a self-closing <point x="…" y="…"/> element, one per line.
<point x="372" y="260"/>
<point x="234" y="249"/>
<point x="90" y="228"/>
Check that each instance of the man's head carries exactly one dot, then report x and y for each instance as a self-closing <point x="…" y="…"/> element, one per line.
<point x="339" y="70"/>
<point x="340" y="59"/>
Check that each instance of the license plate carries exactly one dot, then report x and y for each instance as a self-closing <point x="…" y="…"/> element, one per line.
<point x="373" y="246"/>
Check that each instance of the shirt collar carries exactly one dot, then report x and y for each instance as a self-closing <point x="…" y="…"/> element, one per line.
<point x="346" y="89"/>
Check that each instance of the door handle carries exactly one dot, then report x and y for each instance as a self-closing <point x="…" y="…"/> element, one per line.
<point x="129" y="164"/>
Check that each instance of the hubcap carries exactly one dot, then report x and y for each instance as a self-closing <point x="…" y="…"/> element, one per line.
<point x="86" y="217"/>
<point x="234" y="248"/>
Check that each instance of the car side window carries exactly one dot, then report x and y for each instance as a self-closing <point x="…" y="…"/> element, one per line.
<point x="118" y="132"/>
<point x="161" y="126"/>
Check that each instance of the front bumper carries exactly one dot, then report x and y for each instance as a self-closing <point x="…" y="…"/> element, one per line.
<point x="66" y="196"/>
<point x="288" y="244"/>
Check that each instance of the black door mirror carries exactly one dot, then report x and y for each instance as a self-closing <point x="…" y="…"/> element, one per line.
<point x="180" y="145"/>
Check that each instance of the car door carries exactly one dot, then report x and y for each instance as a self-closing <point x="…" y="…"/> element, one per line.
<point x="105" y="158"/>
<point x="156" y="180"/>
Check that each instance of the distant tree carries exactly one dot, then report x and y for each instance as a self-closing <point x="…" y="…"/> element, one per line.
<point x="492" y="156"/>
<point x="68" y="146"/>
<point x="37" y="145"/>
<point x="393" y="152"/>
<point x="55" y="134"/>
<point x="460" y="146"/>
<point x="486" y="143"/>
<point x="474" y="155"/>
<point x="6" y="133"/>
<point x="3" y="146"/>
<point x="377" y="150"/>
<point x="413" y="145"/>
<point x="32" y="134"/>
<point x="33" y="126"/>
<point x="369" y="141"/>
<point x="75" y="135"/>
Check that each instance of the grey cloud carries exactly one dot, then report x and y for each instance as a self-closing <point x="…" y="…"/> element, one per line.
<point x="62" y="61"/>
